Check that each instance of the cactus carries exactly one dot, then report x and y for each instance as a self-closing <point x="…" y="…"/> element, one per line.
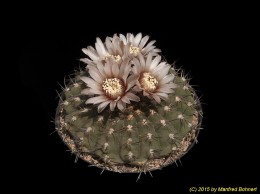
<point x="148" y="120"/>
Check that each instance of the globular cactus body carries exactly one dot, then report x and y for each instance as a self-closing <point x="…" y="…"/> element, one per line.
<point x="145" y="136"/>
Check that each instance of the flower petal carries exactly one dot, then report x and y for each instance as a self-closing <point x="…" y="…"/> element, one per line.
<point x="138" y="67"/>
<point x="171" y="85"/>
<point x="162" y="95"/>
<point x="131" y="38"/>
<point x="90" y="82"/>
<point x="102" y="106"/>
<point x="96" y="100"/>
<point x="100" y="67"/>
<point x="120" y="48"/>
<point x="107" y="69"/>
<point x="161" y="70"/>
<point x="143" y="42"/>
<point x="154" y="63"/>
<point x="91" y="48"/>
<point x="148" y="61"/>
<point x="142" y="61"/>
<point x="145" y="93"/>
<point x="136" y="70"/>
<point x="159" y="67"/>
<point x="122" y="66"/>
<point x="160" y="74"/>
<point x="123" y="38"/>
<point x="115" y="69"/>
<point x="96" y="91"/>
<point x="120" y="105"/>
<point x="126" y="70"/>
<point x="113" y="105"/>
<point x="132" y="97"/>
<point x="108" y="43"/>
<point x="164" y="89"/>
<point x="87" y="61"/>
<point x="137" y="89"/>
<point x="166" y="79"/>
<point x="128" y="37"/>
<point x="156" y="98"/>
<point x="116" y="45"/>
<point x="90" y="54"/>
<point x="137" y="39"/>
<point x="125" y="99"/>
<point x="148" y="46"/>
<point x="86" y="91"/>
<point x="125" y="51"/>
<point x="95" y="74"/>
<point x="131" y="80"/>
<point x="100" y="48"/>
<point x="156" y="50"/>
<point x="150" y="50"/>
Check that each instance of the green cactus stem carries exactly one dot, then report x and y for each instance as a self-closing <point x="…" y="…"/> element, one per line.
<point x="145" y="136"/>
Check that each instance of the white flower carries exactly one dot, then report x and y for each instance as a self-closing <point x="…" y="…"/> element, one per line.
<point x="138" y="44"/>
<point x="111" y="84"/>
<point x="112" y="48"/>
<point x="153" y="77"/>
<point x="118" y="48"/>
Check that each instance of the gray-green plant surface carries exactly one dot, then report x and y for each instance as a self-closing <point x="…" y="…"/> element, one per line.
<point x="145" y="136"/>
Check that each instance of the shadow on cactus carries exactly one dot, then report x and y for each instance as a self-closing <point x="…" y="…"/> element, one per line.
<point x="128" y="111"/>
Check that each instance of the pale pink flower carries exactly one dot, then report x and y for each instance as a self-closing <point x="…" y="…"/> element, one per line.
<point x="153" y="78"/>
<point x="110" y="84"/>
<point x="139" y="44"/>
<point x="112" y="48"/>
<point x="118" y="48"/>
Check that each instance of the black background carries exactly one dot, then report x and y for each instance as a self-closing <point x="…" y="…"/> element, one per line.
<point x="226" y="152"/>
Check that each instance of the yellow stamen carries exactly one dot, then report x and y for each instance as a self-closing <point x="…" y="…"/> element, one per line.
<point x="117" y="58"/>
<point x="134" y="50"/>
<point x="113" y="87"/>
<point x="148" y="82"/>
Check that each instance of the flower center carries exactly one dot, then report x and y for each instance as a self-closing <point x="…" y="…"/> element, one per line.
<point x="113" y="87"/>
<point x="148" y="82"/>
<point x="117" y="58"/>
<point x="134" y="50"/>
